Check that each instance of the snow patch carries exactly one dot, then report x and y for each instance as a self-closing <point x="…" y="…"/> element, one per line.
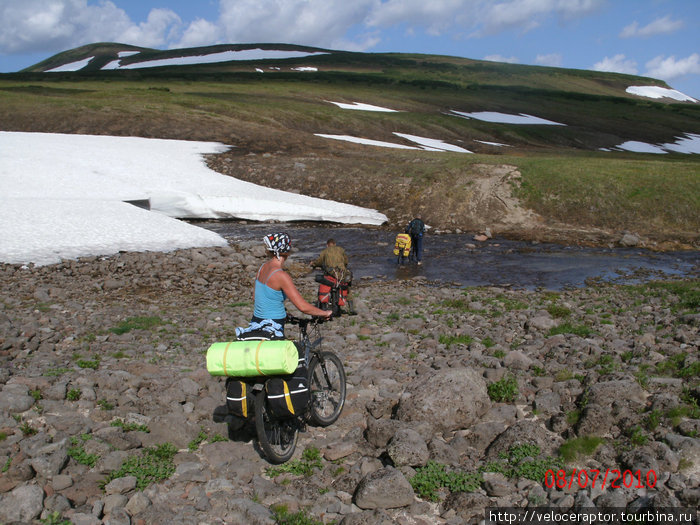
<point x="73" y="66"/>
<point x="62" y="197"/>
<point x="659" y="92"/>
<point x="362" y="107"/>
<point x="432" y="144"/>
<point x="505" y="118"/>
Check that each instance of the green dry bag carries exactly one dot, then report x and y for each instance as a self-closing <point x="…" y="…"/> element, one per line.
<point x="252" y="358"/>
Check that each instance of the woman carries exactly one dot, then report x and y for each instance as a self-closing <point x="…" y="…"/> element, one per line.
<point x="273" y="285"/>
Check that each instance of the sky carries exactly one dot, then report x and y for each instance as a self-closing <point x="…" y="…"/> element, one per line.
<point x="656" y="38"/>
<point x="63" y="197"/>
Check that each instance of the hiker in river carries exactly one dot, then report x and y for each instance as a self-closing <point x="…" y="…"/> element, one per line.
<point x="416" y="229"/>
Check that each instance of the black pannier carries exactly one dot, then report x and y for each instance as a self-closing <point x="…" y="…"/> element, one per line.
<point x="237" y="392"/>
<point x="288" y="396"/>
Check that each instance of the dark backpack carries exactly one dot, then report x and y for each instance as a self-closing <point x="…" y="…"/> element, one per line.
<point x="415" y="228"/>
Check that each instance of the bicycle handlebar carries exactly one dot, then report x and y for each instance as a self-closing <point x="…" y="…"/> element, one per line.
<point x="305" y="321"/>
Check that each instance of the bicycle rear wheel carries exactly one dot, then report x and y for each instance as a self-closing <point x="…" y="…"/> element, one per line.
<point x="327" y="385"/>
<point x="277" y="437"/>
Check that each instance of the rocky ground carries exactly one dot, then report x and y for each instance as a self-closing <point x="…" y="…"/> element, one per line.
<point x="458" y="399"/>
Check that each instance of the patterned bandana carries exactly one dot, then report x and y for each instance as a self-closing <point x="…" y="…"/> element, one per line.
<point x="278" y="243"/>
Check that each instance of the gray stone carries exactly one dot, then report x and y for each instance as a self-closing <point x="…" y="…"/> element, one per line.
<point x="408" y="448"/>
<point x="448" y="400"/>
<point x="386" y="488"/>
<point x="23" y="503"/>
<point x="121" y="485"/>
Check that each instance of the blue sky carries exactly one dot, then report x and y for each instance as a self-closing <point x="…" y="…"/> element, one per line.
<point x="657" y="38"/>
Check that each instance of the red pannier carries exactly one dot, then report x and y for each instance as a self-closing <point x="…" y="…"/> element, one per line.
<point x="326" y="283"/>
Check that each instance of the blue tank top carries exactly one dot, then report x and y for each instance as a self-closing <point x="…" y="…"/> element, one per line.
<point x="269" y="303"/>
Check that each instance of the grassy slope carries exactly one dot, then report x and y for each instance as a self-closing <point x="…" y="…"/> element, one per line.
<point x="565" y="178"/>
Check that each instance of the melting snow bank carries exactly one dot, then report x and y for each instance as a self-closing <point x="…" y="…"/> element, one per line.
<point x="505" y="118"/>
<point x="362" y="107"/>
<point x="427" y="144"/>
<point x="689" y="143"/>
<point x="659" y="92"/>
<point x="62" y="197"/>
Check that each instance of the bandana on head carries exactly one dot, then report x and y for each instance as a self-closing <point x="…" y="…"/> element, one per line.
<point x="278" y="243"/>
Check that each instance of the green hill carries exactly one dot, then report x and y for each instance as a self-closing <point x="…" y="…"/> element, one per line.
<point x="570" y="181"/>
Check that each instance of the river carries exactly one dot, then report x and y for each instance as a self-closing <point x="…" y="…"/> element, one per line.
<point x="458" y="259"/>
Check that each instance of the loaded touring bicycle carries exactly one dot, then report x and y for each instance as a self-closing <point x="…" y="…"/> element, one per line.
<point x="281" y="385"/>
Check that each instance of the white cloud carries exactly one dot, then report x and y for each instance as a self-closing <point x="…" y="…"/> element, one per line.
<point x="670" y="68"/>
<point x="41" y="25"/>
<point x="529" y="14"/>
<point x="501" y="58"/>
<point x="321" y="23"/>
<point x="552" y="60"/>
<point x="616" y="64"/>
<point x="660" y="26"/>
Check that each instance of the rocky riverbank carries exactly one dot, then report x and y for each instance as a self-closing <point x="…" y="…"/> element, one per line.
<point x="458" y="399"/>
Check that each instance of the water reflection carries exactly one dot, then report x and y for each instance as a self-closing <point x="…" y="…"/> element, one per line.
<point x="457" y="259"/>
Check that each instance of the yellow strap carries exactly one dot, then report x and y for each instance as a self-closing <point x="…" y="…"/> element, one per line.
<point x="244" y="402"/>
<point x="257" y="357"/>
<point x="226" y="350"/>
<point x="288" y="398"/>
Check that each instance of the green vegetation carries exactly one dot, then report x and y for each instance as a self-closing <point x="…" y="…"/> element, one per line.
<point x="558" y="312"/>
<point x="282" y="516"/>
<point x="503" y="390"/>
<point x="449" y="340"/>
<point x="434" y="476"/>
<point x="77" y="451"/>
<point x="524" y="461"/>
<point x="580" y="446"/>
<point x="55" y="518"/>
<point x="136" y="323"/>
<point x="154" y="465"/>
<point x="310" y="460"/>
<point x="93" y="364"/>
<point x="128" y="427"/>
<point x="73" y="394"/>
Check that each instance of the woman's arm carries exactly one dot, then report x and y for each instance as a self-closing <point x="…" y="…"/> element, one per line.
<point x="295" y="297"/>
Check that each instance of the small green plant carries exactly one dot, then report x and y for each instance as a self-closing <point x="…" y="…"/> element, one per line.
<point x="282" y="516"/>
<point x="449" y="340"/>
<point x="73" y="394"/>
<point x="136" y="323"/>
<point x="56" y="372"/>
<point x="488" y="342"/>
<point x="3" y="436"/>
<point x="563" y="375"/>
<point x="77" y="451"/>
<point x="538" y="371"/>
<point x="93" y="364"/>
<point x="524" y="461"/>
<point x="503" y="390"/>
<point x="194" y="444"/>
<point x="499" y="353"/>
<point x="310" y="459"/>
<point x="434" y="476"/>
<point x="27" y="429"/>
<point x="573" y="416"/>
<point x="636" y="436"/>
<point x="128" y="427"/>
<point x="580" y="446"/>
<point x="36" y="394"/>
<point x="154" y="465"/>
<point x="55" y="518"/>
<point x="652" y="420"/>
<point x="7" y="465"/>
<point x="105" y="405"/>
<point x="558" y="312"/>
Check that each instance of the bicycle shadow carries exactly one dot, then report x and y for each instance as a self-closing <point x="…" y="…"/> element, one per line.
<point x="239" y="429"/>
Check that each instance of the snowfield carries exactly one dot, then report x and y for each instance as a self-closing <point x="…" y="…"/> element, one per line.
<point x="63" y="197"/>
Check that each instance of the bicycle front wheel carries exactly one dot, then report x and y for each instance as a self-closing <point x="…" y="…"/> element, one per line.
<point x="327" y="385"/>
<point x="277" y="437"/>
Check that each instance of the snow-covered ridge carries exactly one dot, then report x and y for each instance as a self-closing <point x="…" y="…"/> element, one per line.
<point x="62" y="197"/>
<point x="208" y="58"/>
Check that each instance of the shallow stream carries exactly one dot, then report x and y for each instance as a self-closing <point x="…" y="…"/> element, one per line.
<point x="458" y="259"/>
